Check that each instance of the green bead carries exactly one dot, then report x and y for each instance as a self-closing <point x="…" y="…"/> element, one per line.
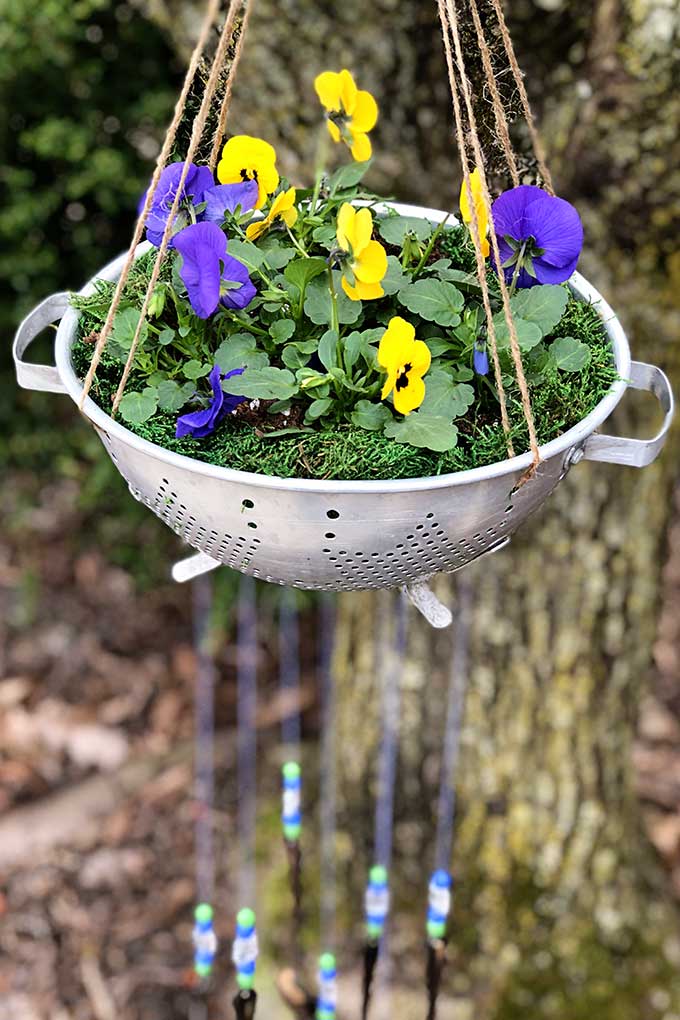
<point x="324" y="1014"/>
<point x="291" y="770"/>
<point x="374" y="931"/>
<point x="245" y="981"/>
<point x="203" y="913"/>
<point x="246" y="918"/>
<point x="203" y="969"/>
<point x="436" y="929"/>
<point x="327" y="962"/>
<point x="378" y="874"/>
<point x="292" y="832"/>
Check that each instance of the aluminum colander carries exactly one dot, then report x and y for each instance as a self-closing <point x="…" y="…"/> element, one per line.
<point x="341" y="535"/>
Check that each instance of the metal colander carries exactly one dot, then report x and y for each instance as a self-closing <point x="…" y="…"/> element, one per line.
<point x="336" y="535"/>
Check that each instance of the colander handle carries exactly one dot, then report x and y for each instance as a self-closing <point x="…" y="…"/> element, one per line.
<point x="38" y="377"/>
<point x="636" y="452"/>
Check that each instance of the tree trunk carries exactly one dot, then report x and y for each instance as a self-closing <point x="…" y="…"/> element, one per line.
<point x="559" y="909"/>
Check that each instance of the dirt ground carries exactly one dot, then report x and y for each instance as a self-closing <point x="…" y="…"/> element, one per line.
<point x="96" y="809"/>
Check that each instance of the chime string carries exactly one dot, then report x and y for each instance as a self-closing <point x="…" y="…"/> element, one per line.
<point x="459" y="81"/>
<point x="389" y="742"/>
<point x="204" y="783"/>
<point x="246" y="668"/>
<point x="454" y="718"/>
<point x="211" y="14"/>
<point x="197" y="130"/>
<point x="327" y="793"/>
<point x="536" y="140"/>
<point x="289" y="674"/>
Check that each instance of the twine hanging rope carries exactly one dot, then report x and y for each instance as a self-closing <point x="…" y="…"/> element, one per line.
<point x="198" y="128"/>
<point x="459" y="84"/>
<point x="536" y="140"/>
<point x="226" y="101"/>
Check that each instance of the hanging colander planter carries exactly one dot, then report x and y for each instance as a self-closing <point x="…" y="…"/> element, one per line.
<point x="338" y="534"/>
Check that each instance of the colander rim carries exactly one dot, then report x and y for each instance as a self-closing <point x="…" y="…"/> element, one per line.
<point x="573" y="437"/>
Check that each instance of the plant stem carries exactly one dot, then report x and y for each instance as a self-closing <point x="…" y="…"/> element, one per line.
<point x="319" y="166"/>
<point x="249" y="326"/>
<point x="428" y="251"/>
<point x="334" y="302"/>
<point x="298" y="244"/>
<point x="518" y="267"/>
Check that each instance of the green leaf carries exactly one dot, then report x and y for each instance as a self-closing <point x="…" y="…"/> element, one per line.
<point x="124" y="326"/>
<point x="461" y="373"/>
<point x="165" y="337"/>
<point x="438" y="345"/>
<point x="349" y="176"/>
<point x="318" y="303"/>
<point x="195" y="370"/>
<point x="324" y="235"/>
<point x="267" y="384"/>
<point x="395" y="278"/>
<point x="246" y="252"/>
<point x="328" y="349"/>
<point x="318" y="408"/>
<point x="528" y="333"/>
<point x="294" y="356"/>
<point x="282" y="330"/>
<point x="240" y="351"/>
<point x="425" y="430"/>
<point x="136" y="408"/>
<point x="370" y="416"/>
<point x="434" y="300"/>
<point x="302" y="271"/>
<point x="570" y="355"/>
<point x="544" y="305"/>
<point x="172" y="396"/>
<point x="360" y="345"/>
<point x="394" y="229"/>
<point x="445" y="398"/>
<point x="277" y="255"/>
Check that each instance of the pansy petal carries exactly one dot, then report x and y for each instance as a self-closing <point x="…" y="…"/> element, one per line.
<point x="365" y="114"/>
<point x="235" y="272"/>
<point x="201" y="246"/>
<point x="420" y="357"/>
<point x="371" y="266"/>
<point x="389" y="383"/>
<point x="345" y="227"/>
<point x="545" y="273"/>
<point x="225" y="198"/>
<point x="557" y="227"/>
<point x="328" y="86"/>
<point x="257" y="228"/>
<point x="410" y="396"/>
<point x="348" y="91"/>
<point x="268" y="182"/>
<point x="369" y="291"/>
<point x="361" y="147"/>
<point x="333" y="130"/>
<point x="351" y="291"/>
<point x="200" y="423"/>
<point x="395" y="343"/>
<point x="289" y="216"/>
<point x="363" y="229"/>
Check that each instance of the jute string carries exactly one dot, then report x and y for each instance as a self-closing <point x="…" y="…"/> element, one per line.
<point x="196" y="135"/>
<point x="210" y="17"/>
<point x="498" y="108"/>
<point x="476" y="233"/>
<point x="536" y="141"/>
<point x="226" y="100"/>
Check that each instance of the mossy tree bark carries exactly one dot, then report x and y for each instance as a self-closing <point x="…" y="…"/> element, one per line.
<point x="560" y="908"/>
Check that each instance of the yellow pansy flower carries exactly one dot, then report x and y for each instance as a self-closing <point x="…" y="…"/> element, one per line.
<point x="367" y="263"/>
<point x="249" y="159"/>
<point x="283" y="206"/>
<point x="351" y="112"/>
<point x="479" y="207"/>
<point x="406" y="360"/>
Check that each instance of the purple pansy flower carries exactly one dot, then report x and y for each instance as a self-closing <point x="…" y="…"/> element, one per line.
<point x="198" y="180"/>
<point x="225" y="198"/>
<point x="200" y="423"/>
<point x="480" y="358"/>
<point x="541" y="232"/>
<point x="208" y="273"/>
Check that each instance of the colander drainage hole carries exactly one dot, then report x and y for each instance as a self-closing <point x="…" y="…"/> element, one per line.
<point x="332" y="515"/>
<point x="248" y="504"/>
<point x="509" y="509"/>
<point x="252" y="524"/>
<point x="330" y="534"/>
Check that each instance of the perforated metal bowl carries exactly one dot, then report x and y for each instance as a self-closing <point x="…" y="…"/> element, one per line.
<point x="338" y="534"/>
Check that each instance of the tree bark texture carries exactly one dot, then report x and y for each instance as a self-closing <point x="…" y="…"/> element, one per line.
<point x="560" y="910"/>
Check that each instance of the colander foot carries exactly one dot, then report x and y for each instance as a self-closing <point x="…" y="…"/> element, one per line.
<point x="193" y="566"/>
<point x="427" y="603"/>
